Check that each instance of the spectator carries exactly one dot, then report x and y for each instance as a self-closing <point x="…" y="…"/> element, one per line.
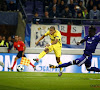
<point x="4" y="38"/>
<point x="46" y="17"/>
<point x="10" y="44"/>
<point x="46" y="4"/>
<point x="96" y="2"/>
<point x="11" y="5"/>
<point x="75" y="2"/>
<point x="20" y="38"/>
<point x="79" y="16"/>
<point x="3" y="5"/>
<point x="94" y="13"/>
<point x="98" y="6"/>
<point x="66" y="13"/>
<point x="54" y="13"/>
<point x="85" y="14"/>
<point x="81" y="5"/>
<point x="36" y="19"/>
<point x="90" y="5"/>
<point x="5" y="41"/>
<point x="76" y="9"/>
<point x="71" y="6"/>
<point x="2" y="42"/>
<point x="61" y="6"/>
<point x="54" y="4"/>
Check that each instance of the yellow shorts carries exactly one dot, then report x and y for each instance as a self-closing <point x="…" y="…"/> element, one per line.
<point x="56" y="48"/>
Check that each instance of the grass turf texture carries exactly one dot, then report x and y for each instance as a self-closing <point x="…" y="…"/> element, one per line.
<point x="48" y="81"/>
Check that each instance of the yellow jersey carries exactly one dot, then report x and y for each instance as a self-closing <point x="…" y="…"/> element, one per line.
<point x="56" y="35"/>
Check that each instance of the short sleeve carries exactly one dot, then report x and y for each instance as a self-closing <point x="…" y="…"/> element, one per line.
<point x="22" y="43"/>
<point x="47" y="33"/>
<point x="85" y="38"/>
<point x="14" y="45"/>
<point x="57" y="36"/>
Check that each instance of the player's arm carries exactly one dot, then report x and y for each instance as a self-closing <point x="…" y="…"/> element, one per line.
<point x="55" y="42"/>
<point x="39" y="39"/>
<point x="82" y="41"/>
<point x="14" y="47"/>
<point x="22" y="43"/>
<point x="47" y="33"/>
<point x="24" y="50"/>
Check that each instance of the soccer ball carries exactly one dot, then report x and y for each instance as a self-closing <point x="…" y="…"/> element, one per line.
<point x="20" y="68"/>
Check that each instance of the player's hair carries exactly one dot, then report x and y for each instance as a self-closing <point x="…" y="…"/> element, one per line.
<point x="52" y="27"/>
<point x="92" y="28"/>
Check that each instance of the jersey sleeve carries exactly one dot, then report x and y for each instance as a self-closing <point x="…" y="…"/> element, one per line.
<point x="14" y="45"/>
<point x="98" y="37"/>
<point x="85" y="38"/>
<point x="22" y="43"/>
<point x="47" y="33"/>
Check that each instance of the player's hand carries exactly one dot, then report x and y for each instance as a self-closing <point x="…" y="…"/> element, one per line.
<point x="36" y="43"/>
<point x="47" y="45"/>
<point x="78" y="43"/>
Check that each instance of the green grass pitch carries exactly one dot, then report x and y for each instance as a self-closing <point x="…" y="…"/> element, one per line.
<point x="48" y="81"/>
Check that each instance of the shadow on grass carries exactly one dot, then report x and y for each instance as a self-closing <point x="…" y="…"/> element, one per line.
<point x="4" y="87"/>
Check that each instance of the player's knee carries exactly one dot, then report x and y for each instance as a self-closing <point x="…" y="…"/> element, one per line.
<point x="58" y="59"/>
<point x="16" y="58"/>
<point x="46" y="50"/>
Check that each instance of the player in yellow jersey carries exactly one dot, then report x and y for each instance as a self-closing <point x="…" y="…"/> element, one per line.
<point x="55" y="46"/>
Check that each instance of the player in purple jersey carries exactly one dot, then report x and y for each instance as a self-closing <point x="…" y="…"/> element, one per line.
<point x="92" y="39"/>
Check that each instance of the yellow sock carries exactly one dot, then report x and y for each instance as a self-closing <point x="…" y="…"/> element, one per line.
<point x="59" y="64"/>
<point x="42" y="54"/>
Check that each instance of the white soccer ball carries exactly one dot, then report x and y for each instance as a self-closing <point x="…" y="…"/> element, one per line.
<point x="20" y="68"/>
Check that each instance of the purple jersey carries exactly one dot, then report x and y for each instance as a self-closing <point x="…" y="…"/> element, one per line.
<point x="91" y="43"/>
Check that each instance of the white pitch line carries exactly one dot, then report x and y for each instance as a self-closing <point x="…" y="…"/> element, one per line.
<point x="93" y="79"/>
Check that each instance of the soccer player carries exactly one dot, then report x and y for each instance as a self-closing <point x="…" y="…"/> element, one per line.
<point x="92" y="39"/>
<point x="20" y="46"/>
<point x="1" y="64"/>
<point x="55" y="46"/>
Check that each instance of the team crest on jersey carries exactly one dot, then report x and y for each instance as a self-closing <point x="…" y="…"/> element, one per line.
<point x="18" y="45"/>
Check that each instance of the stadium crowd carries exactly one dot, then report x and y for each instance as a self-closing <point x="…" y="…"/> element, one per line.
<point x="79" y="9"/>
<point x="8" y="42"/>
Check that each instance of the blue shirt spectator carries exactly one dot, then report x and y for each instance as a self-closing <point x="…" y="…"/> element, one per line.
<point x="94" y="13"/>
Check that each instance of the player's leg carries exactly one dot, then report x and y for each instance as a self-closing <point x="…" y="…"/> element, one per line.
<point x="16" y="58"/>
<point x="1" y="64"/>
<point x="57" y="51"/>
<point x="59" y="62"/>
<point x="88" y="65"/>
<point x="78" y="61"/>
<point x="43" y="53"/>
